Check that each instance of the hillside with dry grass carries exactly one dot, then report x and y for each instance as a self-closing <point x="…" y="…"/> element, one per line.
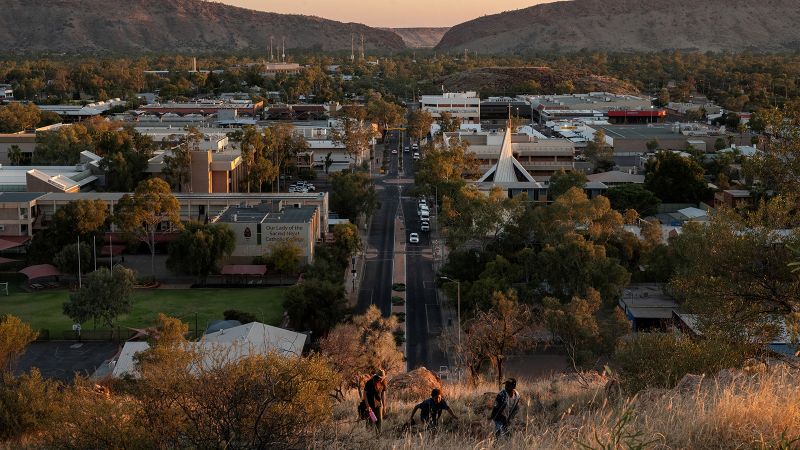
<point x="634" y="25"/>
<point x="499" y="80"/>
<point x="156" y="26"/>
<point x="758" y="407"/>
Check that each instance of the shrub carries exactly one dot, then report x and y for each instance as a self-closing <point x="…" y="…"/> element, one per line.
<point x="662" y="359"/>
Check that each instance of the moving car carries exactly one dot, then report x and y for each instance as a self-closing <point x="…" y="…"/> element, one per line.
<point x="416" y="156"/>
<point x="394" y="151"/>
<point x="413" y="238"/>
<point x="407" y="149"/>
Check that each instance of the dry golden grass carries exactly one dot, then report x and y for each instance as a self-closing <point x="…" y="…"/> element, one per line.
<point x="735" y="410"/>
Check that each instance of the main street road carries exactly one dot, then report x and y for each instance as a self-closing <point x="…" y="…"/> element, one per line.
<point x="423" y="312"/>
<point x="376" y="285"/>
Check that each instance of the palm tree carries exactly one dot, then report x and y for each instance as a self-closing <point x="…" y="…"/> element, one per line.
<point x="15" y="155"/>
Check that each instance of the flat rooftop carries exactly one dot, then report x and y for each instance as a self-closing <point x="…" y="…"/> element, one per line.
<point x="646" y="131"/>
<point x="268" y="213"/>
<point x="591" y="101"/>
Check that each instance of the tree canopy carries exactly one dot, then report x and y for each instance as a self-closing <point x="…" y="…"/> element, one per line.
<point x="675" y="179"/>
<point x="199" y="248"/>
<point x="104" y="295"/>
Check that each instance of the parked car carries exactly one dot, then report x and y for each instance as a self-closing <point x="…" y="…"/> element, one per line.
<point x="416" y="156"/>
<point x="311" y="188"/>
<point x="413" y="238"/>
<point x="407" y="149"/>
<point x="394" y="151"/>
<point x="425" y="226"/>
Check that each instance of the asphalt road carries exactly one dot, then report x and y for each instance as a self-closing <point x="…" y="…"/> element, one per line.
<point x="376" y="285"/>
<point x="423" y="314"/>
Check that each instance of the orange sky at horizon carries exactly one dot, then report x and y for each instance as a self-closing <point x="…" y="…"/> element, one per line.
<point x="390" y="13"/>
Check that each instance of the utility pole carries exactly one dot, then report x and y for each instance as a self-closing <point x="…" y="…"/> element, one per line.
<point x="271" y="57"/>
<point x="283" y="50"/>
<point x="362" y="46"/>
<point x="79" y="261"/>
<point x="352" y="47"/>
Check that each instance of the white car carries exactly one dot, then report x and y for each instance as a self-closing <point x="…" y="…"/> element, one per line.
<point x="413" y="238"/>
<point x="394" y="151"/>
<point x="311" y="187"/>
<point x="425" y="226"/>
<point x="416" y="156"/>
<point x="407" y="149"/>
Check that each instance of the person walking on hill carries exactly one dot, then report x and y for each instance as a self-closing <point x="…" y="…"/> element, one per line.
<point x="505" y="407"/>
<point x="374" y="398"/>
<point x="431" y="409"/>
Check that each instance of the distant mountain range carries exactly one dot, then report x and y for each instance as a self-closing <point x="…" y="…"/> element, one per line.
<point x="169" y="26"/>
<point x="634" y="25"/>
<point x="420" y="37"/>
<point x="194" y="26"/>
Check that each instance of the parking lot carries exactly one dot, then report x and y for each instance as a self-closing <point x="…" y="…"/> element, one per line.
<point x="61" y="360"/>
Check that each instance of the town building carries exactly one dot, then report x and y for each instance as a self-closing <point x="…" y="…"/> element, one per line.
<point x="540" y="157"/>
<point x="733" y="198"/>
<point x="648" y="307"/>
<point x="204" y="107"/>
<point x="496" y="110"/>
<point x="77" y="113"/>
<point x="615" y="108"/>
<point x="220" y="347"/>
<point x="300" y="217"/>
<point x="6" y="92"/>
<point x="508" y="175"/>
<point x="464" y="105"/>
<point x="273" y="69"/>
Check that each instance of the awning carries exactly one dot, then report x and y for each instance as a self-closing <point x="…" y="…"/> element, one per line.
<point x="7" y="260"/>
<point x="40" y="271"/>
<point x="7" y="242"/>
<point x="244" y="269"/>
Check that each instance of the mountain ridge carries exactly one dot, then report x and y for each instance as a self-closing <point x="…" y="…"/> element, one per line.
<point x="633" y="26"/>
<point x="154" y="26"/>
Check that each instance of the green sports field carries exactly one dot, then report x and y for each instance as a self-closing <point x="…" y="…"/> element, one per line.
<point x="43" y="310"/>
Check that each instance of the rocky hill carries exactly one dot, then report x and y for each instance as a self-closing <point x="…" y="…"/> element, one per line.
<point x="634" y="25"/>
<point x="191" y="26"/>
<point x="507" y="80"/>
<point x="421" y="37"/>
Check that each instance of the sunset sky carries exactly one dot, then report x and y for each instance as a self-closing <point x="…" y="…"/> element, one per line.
<point x="390" y="13"/>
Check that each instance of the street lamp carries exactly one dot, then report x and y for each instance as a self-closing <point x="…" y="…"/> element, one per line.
<point x="458" y="296"/>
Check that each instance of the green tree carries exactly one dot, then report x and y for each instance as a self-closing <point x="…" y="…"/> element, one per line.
<point x="675" y="179"/>
<point x="748" y="298"/>
<point x="353" y="194"/>
<point x="361" y="347"/>
<point x="661" y="360"/>
<point x="142" y="214"/>
<point x="285" y="257"/>
<point x="776" y="166"/>
<point x="384" y="114"/>
<point x="354" y="132"/>
<point x="316" y="305"/>
<point x="562" y="182"/>
<point x="419" y="124"/>
<point x="16" y="156"/>
<point x="633" y="196"/>
<point x="15" y="335"/>
<point x="103" y="296"/>
<point x="67" y="258"/>
<point x="448" y="122"/>
<point x="84" y="218"/>
<point x="599" y="153"/>
<point x="19" y="117"/>
<point x="443" y="169"/>
<point x="178" y="161"/>
<point x="125" y="155"/>
<point x="63" y="146"/>
<point x="347" y="240"/>
<point x="506" y="327"/>
<point x="282" y="147"/>
<point x="199" y="249"/>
